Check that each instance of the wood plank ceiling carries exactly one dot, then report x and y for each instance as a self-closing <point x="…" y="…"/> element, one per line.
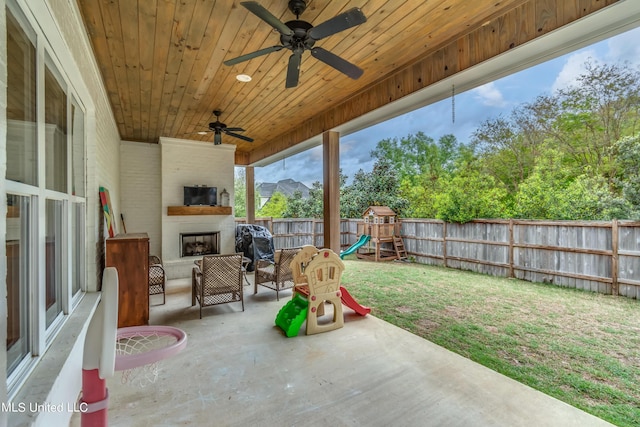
<point x="162" y="61"/>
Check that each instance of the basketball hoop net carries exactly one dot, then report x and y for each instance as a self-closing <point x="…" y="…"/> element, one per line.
<point x="139" y="350"/>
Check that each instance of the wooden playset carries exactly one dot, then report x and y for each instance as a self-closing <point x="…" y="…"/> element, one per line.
<point x="382" y="225"/>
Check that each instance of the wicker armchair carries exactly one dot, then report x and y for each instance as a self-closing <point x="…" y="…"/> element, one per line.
<point x="275" y="275"/>
<point x="218" y="280"/>
<point x="157" y="277"/>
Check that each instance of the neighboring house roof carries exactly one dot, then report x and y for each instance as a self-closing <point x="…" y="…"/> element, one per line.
<point x="284" y="186"/>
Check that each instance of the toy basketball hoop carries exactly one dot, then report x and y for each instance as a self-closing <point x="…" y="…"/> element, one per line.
<point x="135" y="351"/>
<point x="139" y="349"/>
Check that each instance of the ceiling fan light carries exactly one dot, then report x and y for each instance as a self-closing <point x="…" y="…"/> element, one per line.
<point x="243" y="78"/>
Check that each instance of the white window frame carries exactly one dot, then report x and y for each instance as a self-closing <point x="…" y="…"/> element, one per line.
<point x="39" y="335"/>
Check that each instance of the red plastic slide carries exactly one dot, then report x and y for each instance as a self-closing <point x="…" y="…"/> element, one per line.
<point x="348" y="300"/>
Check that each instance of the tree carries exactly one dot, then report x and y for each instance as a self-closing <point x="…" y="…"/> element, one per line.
<point x="421" y="197"/>
<point x="552" y="192"/>
<point x="240" y="193"/>
<point x="471" y="195"/>
<point x="419" y="155"/>
<point x="509" y="146"/>
<point x="558" y="155"/>
<point x="380" y="187"/>
<point x="596" y="112"/>
<point x="275" y="207"/>
<point x="421" y="165"/>
<point x="296" y="206"/>
<point x="540" y="195"/>
<point x="628" y="178"/>
<point x="588" y="198"/>
<point x="312" y="207"/>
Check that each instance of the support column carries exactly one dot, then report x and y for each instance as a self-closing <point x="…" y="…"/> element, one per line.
<point x="250" y="201"/>
<point x="331" y="189"/>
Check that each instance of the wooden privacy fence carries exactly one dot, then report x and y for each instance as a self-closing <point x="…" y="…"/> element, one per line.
<point x="599" y="256"/>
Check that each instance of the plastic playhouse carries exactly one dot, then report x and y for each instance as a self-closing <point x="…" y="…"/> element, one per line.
<point x="379" y="236"/>
<point x="317" y="275"/>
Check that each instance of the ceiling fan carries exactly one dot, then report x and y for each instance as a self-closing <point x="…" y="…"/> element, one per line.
<point x="218" y="128"/>
<point x="298" y="36"/>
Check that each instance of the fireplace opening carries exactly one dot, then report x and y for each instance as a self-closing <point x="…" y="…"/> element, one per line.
<point x="201" y="243"/>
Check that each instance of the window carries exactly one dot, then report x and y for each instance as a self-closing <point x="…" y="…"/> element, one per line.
<point x="18" y="261"/>
<point x="78" y="210"/>
<point x="46" y="185"/>
<point x="77" y="147"/>
<point x="55" y="100"/>
<point x="22" y="153"/>
<point x="77" y="247"/>
<point x="54" y="259"/>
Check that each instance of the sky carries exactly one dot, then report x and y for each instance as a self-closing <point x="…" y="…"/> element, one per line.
<point x="471" y="108"/>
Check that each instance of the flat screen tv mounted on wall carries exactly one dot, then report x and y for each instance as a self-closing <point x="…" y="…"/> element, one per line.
<point x="206" y="196"/>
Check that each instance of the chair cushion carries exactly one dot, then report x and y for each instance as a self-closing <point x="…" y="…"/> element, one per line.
<point x="268" y="272"/>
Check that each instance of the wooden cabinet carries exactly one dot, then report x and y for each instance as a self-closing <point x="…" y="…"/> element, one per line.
<point x="129" y="254"/>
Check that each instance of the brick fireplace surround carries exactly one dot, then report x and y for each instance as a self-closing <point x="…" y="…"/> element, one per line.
<point x="188" y="163"/>
<point x="152" y="180"/>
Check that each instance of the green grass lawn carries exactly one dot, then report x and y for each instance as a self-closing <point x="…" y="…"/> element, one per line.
<point x="580" y="347"/>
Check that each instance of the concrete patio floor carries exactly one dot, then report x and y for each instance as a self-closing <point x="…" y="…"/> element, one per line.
<point x="240" y="370"/>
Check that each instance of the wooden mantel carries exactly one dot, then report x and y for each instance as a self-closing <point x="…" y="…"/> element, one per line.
<point x="199" y="210"/>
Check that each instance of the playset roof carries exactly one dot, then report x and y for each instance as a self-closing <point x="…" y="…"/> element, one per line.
<point x="378" y="211"/>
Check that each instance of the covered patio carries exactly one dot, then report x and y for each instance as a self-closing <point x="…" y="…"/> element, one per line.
<point x="144" y="79"/>
<point x="239" y="369"/>
<point x="169" y="68"/>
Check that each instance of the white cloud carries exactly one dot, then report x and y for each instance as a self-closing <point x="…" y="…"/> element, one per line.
<point x="624" y="48"/>
<point x="573" y="67"/>
<point x="618" y="49"/>
<point x="489" y="95"/>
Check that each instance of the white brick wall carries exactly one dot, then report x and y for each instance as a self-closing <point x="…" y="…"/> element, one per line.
<point x="186" y="163"/>
<point x="140" y="191"/>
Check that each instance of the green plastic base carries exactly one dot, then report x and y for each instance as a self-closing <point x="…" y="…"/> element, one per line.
<point x="291" y="317"/>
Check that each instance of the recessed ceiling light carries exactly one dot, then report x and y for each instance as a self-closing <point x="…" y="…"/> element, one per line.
<point x="243" y="78"/>
<point x="202" y="133"/>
